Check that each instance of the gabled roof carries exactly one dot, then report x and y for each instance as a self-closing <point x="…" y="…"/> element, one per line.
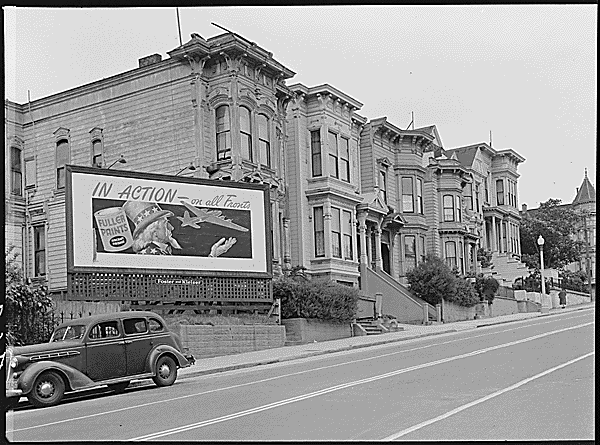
<point x="585" y="193"/>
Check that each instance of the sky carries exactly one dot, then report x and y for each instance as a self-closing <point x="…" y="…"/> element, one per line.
<point x="527" y="73"/>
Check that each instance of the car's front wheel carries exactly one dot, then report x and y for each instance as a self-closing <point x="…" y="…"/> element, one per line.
<point x="48" y="390"/>
<point x="166" y="371"/>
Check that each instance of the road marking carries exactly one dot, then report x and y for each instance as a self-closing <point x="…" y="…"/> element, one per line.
<point x="320" y="392"/>
<point x="274" y="378"/>
<point x="483" y="399"/>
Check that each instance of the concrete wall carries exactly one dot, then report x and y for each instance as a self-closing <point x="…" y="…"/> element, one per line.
<point x="573" y="298"/>
<point x="213" y="341"/>
<point x="303" y="330"/>
<point x="504" y="306"/>
<point x="453" y="312"/>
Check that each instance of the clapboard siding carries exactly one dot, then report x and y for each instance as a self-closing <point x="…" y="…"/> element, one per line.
<point x="367" y="179"/>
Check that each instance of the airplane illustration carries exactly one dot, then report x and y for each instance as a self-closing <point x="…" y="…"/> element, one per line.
<point x="205" y="215"/>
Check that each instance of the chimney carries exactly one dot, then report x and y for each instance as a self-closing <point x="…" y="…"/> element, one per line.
<point x="149" y="60"/>
<point x="524" y="208"/>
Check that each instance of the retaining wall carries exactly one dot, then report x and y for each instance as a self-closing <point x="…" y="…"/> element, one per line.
<point x="504" y="306"/>
<point x="213" y="341"/>
<point x="307" y="330"/>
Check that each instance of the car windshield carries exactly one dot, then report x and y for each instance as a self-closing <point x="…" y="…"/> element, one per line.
<point x="68" y="333"/>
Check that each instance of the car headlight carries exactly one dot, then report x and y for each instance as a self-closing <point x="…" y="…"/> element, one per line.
<point x="14" y="362"/>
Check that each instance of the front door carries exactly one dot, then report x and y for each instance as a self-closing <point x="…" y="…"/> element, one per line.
<point x="106" y="351"/>
<point x="137" y="343"/>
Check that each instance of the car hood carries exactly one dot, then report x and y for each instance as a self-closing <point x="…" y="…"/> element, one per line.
<point x="45" y="347"/>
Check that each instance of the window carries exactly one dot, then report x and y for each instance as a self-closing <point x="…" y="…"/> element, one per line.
<point x="410" y="253"/>
<point x="96" y="153"/>
<point x="105" y="330"/>
<point x="246" y="134"/>
<point x="420" y="196"/>
<point x="134" y="326"/>
<point x="468" y="194"/>
<point x="383" y="185"/>
<point x="487" y="196"/>
<point x="16" y="172"/>
<point x="422" y="248"/>
<point x="458" y="209"/>
<point x="336" y="233"/>
<point x="477" y="197"/>
<point x="407" y="195"/>
<point x="30" y="172"/>
<point x="315" y="149"/>
<point x="223" y="133"/>
<point x="347" y="229"/>
<point x="448" y="208"/>
<point x="264" y="140"/>
<point x="344" y="159"/>
<point x="319" y="232"/>
<point x="39" y="251"/>
<point x="451" y="254"/>
<point x="62" y="158"/>
<point x="500" y="192"/>
<point x="333" y="154"/>
<point x="460" y="257"/>
<point x="155" y="325"/>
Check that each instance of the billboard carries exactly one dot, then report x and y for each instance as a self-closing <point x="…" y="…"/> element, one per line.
<point x="138" y="222"/>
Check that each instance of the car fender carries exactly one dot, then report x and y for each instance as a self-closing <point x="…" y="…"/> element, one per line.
<point x="75" y="379"/>
<point x="161" y="350"/>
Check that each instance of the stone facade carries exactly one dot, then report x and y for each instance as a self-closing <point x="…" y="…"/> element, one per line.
<point x="347" y="192"/>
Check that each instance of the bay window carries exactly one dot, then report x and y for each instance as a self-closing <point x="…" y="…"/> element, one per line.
<point x="448" y="207"/>
<point x="315" y="149"/>
<point x="407" y="195"/>
<point x="319" y="231"/>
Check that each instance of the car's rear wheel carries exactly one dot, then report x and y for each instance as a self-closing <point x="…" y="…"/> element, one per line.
<point x="48" y="390"/>
<point x="118" y="387"/>
<point x="166" y="371"/>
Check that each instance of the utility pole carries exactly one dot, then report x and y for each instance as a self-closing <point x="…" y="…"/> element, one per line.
<point x="588" y="263"/>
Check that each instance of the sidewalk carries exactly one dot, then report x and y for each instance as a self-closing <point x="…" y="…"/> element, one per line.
<point x="256" y="358"/>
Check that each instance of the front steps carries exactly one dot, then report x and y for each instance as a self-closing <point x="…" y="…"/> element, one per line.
<point x="506" y="269"/>
<point x="371" y="327"/>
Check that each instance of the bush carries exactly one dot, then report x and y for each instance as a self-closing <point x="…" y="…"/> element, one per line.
<point x="432" y="280"/>
<point x="465" y="295"/>
<point x="27" y="307"/>
<point x="484" y="257"/>
<point x="320" y="299"/>
<point x="486" y="287"/>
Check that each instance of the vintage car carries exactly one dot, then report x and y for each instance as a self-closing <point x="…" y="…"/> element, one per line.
<point x="108" y="349"/>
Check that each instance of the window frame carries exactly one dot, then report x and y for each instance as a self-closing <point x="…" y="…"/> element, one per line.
<point x="405" y="195"/>
<point x="319" y="231"/>
<point x="451" y="261"/>
<point x="95" y="154"/>
<point x="500" y="192"/>
<point x="247" y="135"/>
<point x="420" y="196"/>
<point x="410" y="252"/>
<point x="39" y="250"/>
<point x="445" y="208"/>
<point x="30" y="172"/>
<point x="315" y="149"/>
<point x="383" y="179"/>
<point x="468" y="195"/>
<point x="60" y="170"/>
<point x="344" y="153"/>
<point x="348" y="236"/>
<point x="333" y="154"/>
<point x="336" y="232"/>
<point x="264" y="143"/>
<point x="223" y="153"/>
<point x="458" y="203"/>
<point x="16" y="171"/>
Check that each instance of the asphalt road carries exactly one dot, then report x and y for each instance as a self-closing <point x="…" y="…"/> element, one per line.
<point x="531" y="380"/>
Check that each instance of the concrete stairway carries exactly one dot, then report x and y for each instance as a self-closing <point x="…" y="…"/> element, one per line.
<point x="370" y="326"/>
<point x="505" y="268"/>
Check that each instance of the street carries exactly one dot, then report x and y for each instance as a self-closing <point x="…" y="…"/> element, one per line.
<point x="532" y="380"/>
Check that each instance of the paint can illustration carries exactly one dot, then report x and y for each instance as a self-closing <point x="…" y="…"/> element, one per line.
<point x="114" y="229"/>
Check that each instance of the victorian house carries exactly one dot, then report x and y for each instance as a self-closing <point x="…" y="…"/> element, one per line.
<point x="356" y="200"/>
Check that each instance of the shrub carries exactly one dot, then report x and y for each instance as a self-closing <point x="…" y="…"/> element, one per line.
<point x="27" y="307"/>
<point x="484" y="257"/>
<point x="320" y="299"/>
<point x="432" y="280"/>
<point x="486" y="287"/>
<point x="465" y="295"/>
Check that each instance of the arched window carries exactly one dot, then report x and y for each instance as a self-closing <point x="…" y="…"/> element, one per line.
<point x="223" y="128"/>
<point x="62" y="158"/>
<point x="246" y="134"/>
<point x="264" y="140"/>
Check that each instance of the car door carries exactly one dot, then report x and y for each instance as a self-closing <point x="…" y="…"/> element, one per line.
<point x="106" y="351"/>
<point x="137" y="344"/>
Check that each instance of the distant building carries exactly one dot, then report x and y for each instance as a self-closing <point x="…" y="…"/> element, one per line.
<point x="356" y="200"/>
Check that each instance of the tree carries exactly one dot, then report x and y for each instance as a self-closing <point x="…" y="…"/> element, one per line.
<point x="555" y="223"/>
<point x="486" y="287"/>
<point x="432" y="280"/>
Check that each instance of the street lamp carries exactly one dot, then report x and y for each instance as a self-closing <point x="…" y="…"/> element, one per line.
<point x="540" y="242"/>
<point x="191" y="167"/>
<point x="121" y="160"/>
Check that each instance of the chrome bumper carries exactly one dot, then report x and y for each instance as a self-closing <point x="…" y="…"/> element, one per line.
<point x="13" y="393"/>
